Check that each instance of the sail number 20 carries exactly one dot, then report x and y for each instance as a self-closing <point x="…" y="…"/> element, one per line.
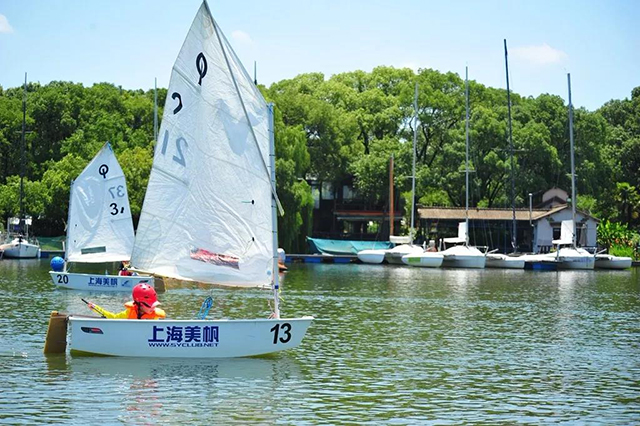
<point x="284" y="329"/>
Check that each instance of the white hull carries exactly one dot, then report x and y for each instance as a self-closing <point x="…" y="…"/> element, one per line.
<point x="20" y="250"/>
<point x="503" y="261"/>
<point x="425" y="260"/>
<point x="463" y="257"/>
<point x="574" y="258"/>
<point x="457" y="261"/>
<point x="185" y="338"/>
<point x="576" y="263"/>
<point x="371" y="256"/>
<point x="394" y="255"/>
<point x="98" y="282"/>
<point x="606" y="261"/>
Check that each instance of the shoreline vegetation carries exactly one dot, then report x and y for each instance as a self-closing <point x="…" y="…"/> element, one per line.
<point x="345" y="126"/>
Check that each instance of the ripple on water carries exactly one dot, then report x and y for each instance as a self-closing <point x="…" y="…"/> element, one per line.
<point x="390" y="345"/>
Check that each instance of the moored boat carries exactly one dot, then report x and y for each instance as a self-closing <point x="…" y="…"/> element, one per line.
<point x="462" y="256"/>
<point x="371" y="256"/>
<point x="608" y="261"/>
<point x="394" y="255"/>
<point x="426" y="259"/>
<point x="503" y="261"/>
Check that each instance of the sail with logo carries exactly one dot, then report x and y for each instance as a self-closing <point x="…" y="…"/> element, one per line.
<point x="99" y="226"/>
<point x="210" y="210"/>
<point x="207" y="212"/>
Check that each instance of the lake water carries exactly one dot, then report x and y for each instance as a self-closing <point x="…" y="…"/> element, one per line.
<point x="391" y="345"/>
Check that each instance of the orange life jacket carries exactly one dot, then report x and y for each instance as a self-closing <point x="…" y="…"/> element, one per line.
<point x="132" y="312"/>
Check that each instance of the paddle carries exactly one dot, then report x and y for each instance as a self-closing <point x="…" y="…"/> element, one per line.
<point x="93" y="308"/>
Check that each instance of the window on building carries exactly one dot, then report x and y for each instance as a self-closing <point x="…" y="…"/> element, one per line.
<point x="327" y="191"/>
<point x="347" y="193"/>
<point x="315" y="193"/>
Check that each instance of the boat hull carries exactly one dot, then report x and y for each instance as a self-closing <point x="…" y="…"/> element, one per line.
<point x="613" y="262"/>
<point x="20" y="250"/>
<point x="185" y="338"/>
<point x="570" y="263"/>
<point x="371" y="256"/>
<point x="394" y="255"/>
<point x="424" y="260"/>
<point x="93" y="282"/>
<point x="463" y="261"/>
<point x="504" y="262"/>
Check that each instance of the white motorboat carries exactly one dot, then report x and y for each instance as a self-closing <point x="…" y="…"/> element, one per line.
<point x="462" y="256"/>
<point x="374" y="256"/>
<point x="608" y="261"/>
<point x="503" y="261"/>
<point x="426" y="259"/>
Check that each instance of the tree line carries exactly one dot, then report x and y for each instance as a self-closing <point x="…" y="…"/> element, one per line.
<point x="333" y="128"/>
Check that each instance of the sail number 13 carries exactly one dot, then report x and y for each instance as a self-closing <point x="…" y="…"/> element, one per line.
<point x="281" y="332"/>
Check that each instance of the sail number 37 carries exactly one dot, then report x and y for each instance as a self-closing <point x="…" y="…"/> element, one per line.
<point x="281" y="333"/>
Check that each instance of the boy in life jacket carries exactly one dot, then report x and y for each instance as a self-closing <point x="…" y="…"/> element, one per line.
<point x="143" y="305"/>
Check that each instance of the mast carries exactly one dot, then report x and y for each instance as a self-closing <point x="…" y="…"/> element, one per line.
<point x="274" y="215"/>
<point x="573" y="170"/>
<point x="255" y="73"/>
<point x="22" y="153"/>
<point x="513" y="182"/>
<point x="391" y="195"/>
<point x="466" y="166"/>
<point x="413" y="175"/>
<point x="155" y="110"/>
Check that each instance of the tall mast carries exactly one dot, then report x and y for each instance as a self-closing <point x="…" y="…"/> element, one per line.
<point x="155" y="110"/>
<point x="255" y="73"/>
<point x="391" y="196"/>
<point x="413" y="175"/>
<point x="514" y="244"/>
<point x="466" y="163"/>
<point x="22" y="153"/>
<point x="274" y="215"/>
<point x="573" y="169"/>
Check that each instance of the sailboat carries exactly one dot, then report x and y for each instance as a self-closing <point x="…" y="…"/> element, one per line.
<point x="372" y="255"/>
<point x="499" y="260"/>
<point x="20" y="247"/>
<point x="99" y="226"/>
<point x="568" y="254"/>
<point x="462" y="255"/>
<point x="405" y="244"/>
<point x="210" y="211"/>
<point x="409" y="253"/>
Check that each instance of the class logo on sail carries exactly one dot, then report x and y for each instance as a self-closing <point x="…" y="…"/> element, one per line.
<point x="215" y="258"/>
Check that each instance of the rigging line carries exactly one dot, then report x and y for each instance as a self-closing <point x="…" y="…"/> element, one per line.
<point x="244" y="108"/>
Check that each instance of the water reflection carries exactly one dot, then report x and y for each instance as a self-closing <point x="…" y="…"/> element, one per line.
<point x="390" y="345"/>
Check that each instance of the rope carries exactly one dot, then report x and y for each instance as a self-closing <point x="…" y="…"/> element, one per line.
<point x="204" y="309"/>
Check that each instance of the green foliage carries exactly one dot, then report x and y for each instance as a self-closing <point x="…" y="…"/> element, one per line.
<point x="618" y="239"/>
<point x="347" y="126"/>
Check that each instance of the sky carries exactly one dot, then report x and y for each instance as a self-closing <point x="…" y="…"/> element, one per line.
<point x="129" y="43"/>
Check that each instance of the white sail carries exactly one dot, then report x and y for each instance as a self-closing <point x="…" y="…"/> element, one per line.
<point x="207" y="211"/>
<point x="99" y="228"/>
